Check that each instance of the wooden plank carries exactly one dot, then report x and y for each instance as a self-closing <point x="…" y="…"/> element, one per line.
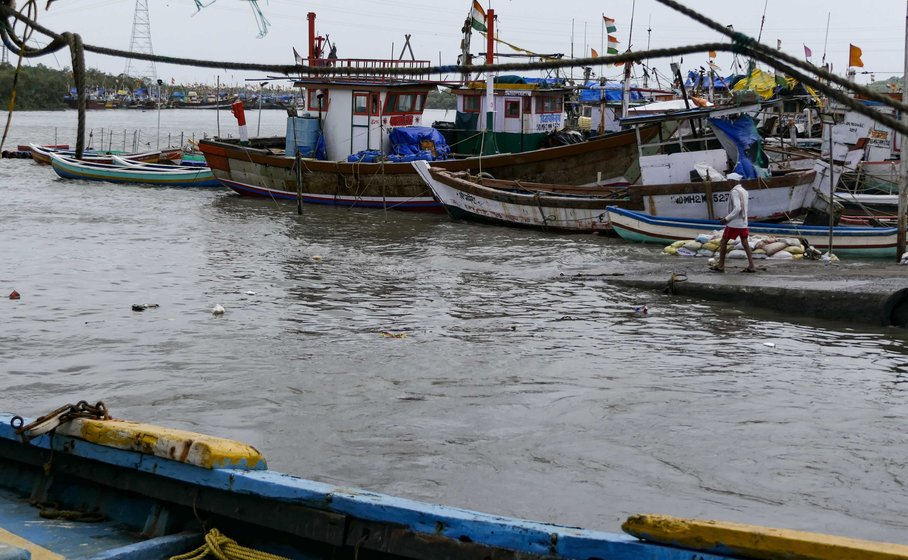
<point x="753" y="541"/>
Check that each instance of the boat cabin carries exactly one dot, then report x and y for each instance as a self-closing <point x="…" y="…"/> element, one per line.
<point x="355" y="111"/>
<point x="526" y="110"/>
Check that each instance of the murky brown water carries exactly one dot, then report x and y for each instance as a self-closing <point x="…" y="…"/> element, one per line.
<point x="517" y="387"/>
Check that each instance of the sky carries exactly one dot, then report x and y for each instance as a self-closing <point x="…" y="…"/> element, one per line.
<point x="227" y="30"/>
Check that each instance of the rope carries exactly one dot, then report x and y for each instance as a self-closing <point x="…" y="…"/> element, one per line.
<point x="671" y="288"/>
<point x="224" y="548"/>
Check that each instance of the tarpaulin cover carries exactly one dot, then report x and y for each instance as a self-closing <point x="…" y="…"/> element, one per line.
<point x="739" y="137"/>
<point x="590" y="93"/>
<point x="701" y="81"/>
<point x="760" y="82"/>
<point x="411" y="140"/>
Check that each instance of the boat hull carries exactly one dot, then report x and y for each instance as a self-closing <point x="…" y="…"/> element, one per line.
<point x="868" y="242"/>
<point x="91" y="171"/>
<point x="257" y="172"/>
<point x="472" y="200"/>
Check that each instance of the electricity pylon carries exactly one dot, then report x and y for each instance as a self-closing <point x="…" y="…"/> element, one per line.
<point x="141" y="43"/>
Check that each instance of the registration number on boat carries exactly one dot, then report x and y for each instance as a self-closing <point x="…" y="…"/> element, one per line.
<point x="698" y="198"/>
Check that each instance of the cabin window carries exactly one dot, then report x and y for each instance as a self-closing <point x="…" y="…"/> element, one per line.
<point x="512" y="109"/>
<point x="313" y="102"/>
<point x="375" y="104"/>
<point x="360" y="103"/>
<point x="471" y="103"/>
<point x="549" y="104"/>
<point x="405" y="103"/>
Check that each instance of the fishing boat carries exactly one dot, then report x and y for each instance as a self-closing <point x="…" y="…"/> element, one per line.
<point x="568" y="208"/>
<point x="41" y="154"/>
<point x="159" y="176"/>
<point x="347" y="157"/>
<point x="75" y="483"/>
<point x="855" y="241"/>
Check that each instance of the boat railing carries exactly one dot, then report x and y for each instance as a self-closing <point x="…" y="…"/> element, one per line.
<point x="375" y="69"/>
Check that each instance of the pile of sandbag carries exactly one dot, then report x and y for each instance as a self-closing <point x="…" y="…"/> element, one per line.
<point x="763" y="247"/>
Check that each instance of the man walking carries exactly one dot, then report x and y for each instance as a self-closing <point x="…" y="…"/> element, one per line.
<point x="735" y="225"/>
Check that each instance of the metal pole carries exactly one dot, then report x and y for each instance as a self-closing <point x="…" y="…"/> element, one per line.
<point x="903" y="162"/>
<point x="159" y="115"/>
<point x="831" y="191"/>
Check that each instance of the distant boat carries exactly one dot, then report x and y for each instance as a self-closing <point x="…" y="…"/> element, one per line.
<point x="846" y="240"/>
<point x="175" y="176"/>
<point x="143" y="491"/>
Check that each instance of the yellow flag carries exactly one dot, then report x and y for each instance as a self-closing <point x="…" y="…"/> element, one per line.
<point x="854" y="56"/>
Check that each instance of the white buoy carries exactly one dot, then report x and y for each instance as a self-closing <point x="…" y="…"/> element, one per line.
<point x="217" y="309"/>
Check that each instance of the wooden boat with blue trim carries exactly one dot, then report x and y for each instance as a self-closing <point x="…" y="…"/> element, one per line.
<point x="157" y="176"/>
<point x="77" y="484"/>
<point x="41" y="154"/>
<point x="852" y="241"/>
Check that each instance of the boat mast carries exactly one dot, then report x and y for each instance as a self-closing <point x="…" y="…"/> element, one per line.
<point x="626" y="94"/>
<point x="490" y="75"/>
<point x="903" y="161"/>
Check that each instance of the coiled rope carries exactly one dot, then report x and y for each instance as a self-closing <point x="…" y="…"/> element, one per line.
<point x="224" y="548"/>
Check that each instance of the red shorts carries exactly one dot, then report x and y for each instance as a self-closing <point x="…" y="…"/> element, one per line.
<point x="734" y="233"/>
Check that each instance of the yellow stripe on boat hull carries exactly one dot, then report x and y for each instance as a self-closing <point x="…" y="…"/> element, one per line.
<point x="37" y="552"/>
<point x="186" y="447"/>
<point x="753" y="541"/>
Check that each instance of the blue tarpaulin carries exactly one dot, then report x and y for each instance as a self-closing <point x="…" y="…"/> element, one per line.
<point x="590" y="93"/>
<point x="740" y="135"/>
<point x="412" y="140"/>
<point x="696" y="80"/>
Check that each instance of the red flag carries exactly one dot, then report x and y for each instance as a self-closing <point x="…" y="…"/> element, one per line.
<point x="807" y="52"/>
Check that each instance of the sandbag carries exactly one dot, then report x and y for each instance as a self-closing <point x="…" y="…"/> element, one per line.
<point x="685" y="252"/>
<point x="795" y="249"/>
<point x="679" y="243"/>
<point x="711" y="246"/>
<point x="736" y="254"/>
<point x="782" y="255"/>
<point x="670" y="250"/>
<point x="774" y="248"/>
<point x="705" y="253"/>
<point x="693" y="246"/>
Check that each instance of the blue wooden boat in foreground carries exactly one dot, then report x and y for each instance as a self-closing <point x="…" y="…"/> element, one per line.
<point x="77" y="484"/>
<point x="855" y="241"/>
<point x="151" y="175"/>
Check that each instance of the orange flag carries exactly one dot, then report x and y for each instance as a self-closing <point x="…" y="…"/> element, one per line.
<point x="593" y="53"/>
<point x="854" y="56"/>
<point x="712" y="54"/>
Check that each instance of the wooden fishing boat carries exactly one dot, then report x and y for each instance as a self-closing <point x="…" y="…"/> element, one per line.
<point x="846" y="240"/>
<point x="77" y="484"/>
<point x="545" y="206"/>
<point x="159" y="176"/>
<point x="558" y="207"/>
<point x="256" y="170"/>
<point x="41" y="154"/>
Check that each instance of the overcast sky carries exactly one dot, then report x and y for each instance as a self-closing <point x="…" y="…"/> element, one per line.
<point x="227" y="29"/>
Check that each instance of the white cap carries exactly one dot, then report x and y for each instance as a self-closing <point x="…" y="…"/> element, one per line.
<point x="733" y="177"/>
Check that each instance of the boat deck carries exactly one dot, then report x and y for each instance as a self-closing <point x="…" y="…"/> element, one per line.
<point x="25" y="533"/>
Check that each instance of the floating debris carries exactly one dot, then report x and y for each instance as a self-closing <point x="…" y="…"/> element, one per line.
<point x="217" y="309"/>
<point x="642" y="310"/>
<point x="389" y="334"/>
<point x="14" y="295"/>
<point x="144" y="306"/>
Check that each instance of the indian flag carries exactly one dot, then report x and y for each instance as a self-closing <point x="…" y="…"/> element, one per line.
<point x="478" y="17"/>
<point x="612" y="45"/>
<point x="609" y="24"/>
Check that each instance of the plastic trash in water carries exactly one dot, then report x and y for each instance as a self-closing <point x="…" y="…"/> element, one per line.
<point x="770" y="344"/>
<point x="641" y="310"/>
<point x="14" y="295"/>
<point x="144" y="306"/>
<point x="217" y="309"/>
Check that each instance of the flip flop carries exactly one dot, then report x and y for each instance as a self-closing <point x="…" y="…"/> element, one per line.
<point x="716" y="269"/>
<point x="749" y="270"/>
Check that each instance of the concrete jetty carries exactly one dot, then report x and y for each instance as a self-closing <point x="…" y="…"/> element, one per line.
<point x="867" y="292"/>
